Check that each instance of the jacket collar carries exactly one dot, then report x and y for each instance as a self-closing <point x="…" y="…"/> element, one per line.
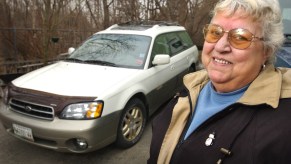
<point x="270" y="85"/>
<point x="265" y="89"/>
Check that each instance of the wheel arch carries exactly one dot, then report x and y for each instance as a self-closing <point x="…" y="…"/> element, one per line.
<point x="120" y="137"/>
<point x="143" y="98"/>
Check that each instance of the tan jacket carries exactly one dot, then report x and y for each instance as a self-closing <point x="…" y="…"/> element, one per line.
<point x="268" y="88"/>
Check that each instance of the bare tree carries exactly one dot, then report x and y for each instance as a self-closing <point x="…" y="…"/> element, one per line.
<point x="199" y="15"/>
<point x="31" y="26"/>
<point x="41" y="29"/>
<point x="106" y="6"/>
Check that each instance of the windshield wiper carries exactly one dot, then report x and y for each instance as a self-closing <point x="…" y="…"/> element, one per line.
<point x="100" y="62"/>
<point x="74" y="60"/>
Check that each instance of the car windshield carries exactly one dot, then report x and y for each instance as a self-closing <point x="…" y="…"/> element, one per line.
<point x="286" y="13"/>
<point x="118" y="50"/>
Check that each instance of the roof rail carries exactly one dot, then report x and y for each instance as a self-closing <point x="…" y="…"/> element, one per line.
<point x="148" y="23"/>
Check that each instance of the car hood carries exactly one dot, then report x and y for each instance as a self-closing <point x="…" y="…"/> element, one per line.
<point x="74" y="79"/>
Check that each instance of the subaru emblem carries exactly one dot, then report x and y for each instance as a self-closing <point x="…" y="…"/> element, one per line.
<point x="28" y="108"/>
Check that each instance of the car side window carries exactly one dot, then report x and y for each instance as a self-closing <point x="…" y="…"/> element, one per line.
<point x="175" y="43"/>
<point x="160" y="46"/>
<point x="171" y="43"/>
<point x="186" y="40"/>
<point x="178" y="42"/>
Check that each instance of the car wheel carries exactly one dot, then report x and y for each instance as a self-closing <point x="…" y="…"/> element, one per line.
<point x="132" y="123"/>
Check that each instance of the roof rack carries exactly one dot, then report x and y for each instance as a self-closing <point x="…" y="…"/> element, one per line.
<point x="148" y="23"/>
<point x="141" y="25"/>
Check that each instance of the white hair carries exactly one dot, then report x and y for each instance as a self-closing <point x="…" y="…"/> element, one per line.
<point x="266" y="12"/>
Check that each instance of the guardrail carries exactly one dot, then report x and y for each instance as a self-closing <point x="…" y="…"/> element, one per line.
<point x="12" y="70"/>
<point x="20" y="67"/>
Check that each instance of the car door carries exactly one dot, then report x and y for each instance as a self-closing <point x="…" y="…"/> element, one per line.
<point x="182" y="54"/>
<point x="167" y="76"/>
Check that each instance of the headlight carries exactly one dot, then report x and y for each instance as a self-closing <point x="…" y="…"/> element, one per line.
<point x="82" y="111"/>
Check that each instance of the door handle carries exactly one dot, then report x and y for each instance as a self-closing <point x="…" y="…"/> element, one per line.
<point x="172" y="67"/>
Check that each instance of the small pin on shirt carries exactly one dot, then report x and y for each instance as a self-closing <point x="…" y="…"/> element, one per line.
<point x="209" y="140"/>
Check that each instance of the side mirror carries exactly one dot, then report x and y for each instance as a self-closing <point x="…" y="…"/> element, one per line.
<point x="161" y="59"/>
<point x="71" y="50"/>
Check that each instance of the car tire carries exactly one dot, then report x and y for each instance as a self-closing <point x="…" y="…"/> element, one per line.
<point x="132" y="123"/>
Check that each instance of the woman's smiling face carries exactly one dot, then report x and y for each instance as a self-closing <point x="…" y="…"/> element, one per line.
<point x="229" y="68"/>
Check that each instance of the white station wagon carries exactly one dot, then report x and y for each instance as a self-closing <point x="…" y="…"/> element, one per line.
<point x="105" y="90"/>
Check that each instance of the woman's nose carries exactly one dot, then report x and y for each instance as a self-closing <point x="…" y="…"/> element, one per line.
<point x="222" y="45"/>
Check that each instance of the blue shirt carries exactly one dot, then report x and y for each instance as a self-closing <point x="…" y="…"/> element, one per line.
<point x="211" y="102"/>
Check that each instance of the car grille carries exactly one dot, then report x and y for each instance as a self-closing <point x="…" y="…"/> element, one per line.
<point x="32" y="109"/>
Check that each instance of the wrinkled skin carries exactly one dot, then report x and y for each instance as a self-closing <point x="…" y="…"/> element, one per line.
<point x="228" y="68"/>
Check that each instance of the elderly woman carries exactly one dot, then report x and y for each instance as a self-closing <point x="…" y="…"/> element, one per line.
<point x="237" y="110"/>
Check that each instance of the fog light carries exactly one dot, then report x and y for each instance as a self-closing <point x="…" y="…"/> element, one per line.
<point x="81" y="144"/>
<point x="77" y="144"/>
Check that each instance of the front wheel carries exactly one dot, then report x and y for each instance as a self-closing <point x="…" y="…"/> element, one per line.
<point x="131" y="124"/>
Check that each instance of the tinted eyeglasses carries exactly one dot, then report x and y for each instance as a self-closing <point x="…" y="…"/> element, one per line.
<point x="238" y="38"/>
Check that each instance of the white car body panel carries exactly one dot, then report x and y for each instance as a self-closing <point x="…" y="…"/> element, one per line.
<point x="74" y="79"/>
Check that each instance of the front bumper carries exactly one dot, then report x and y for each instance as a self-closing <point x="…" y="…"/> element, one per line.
<point x="60" y="134"/>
